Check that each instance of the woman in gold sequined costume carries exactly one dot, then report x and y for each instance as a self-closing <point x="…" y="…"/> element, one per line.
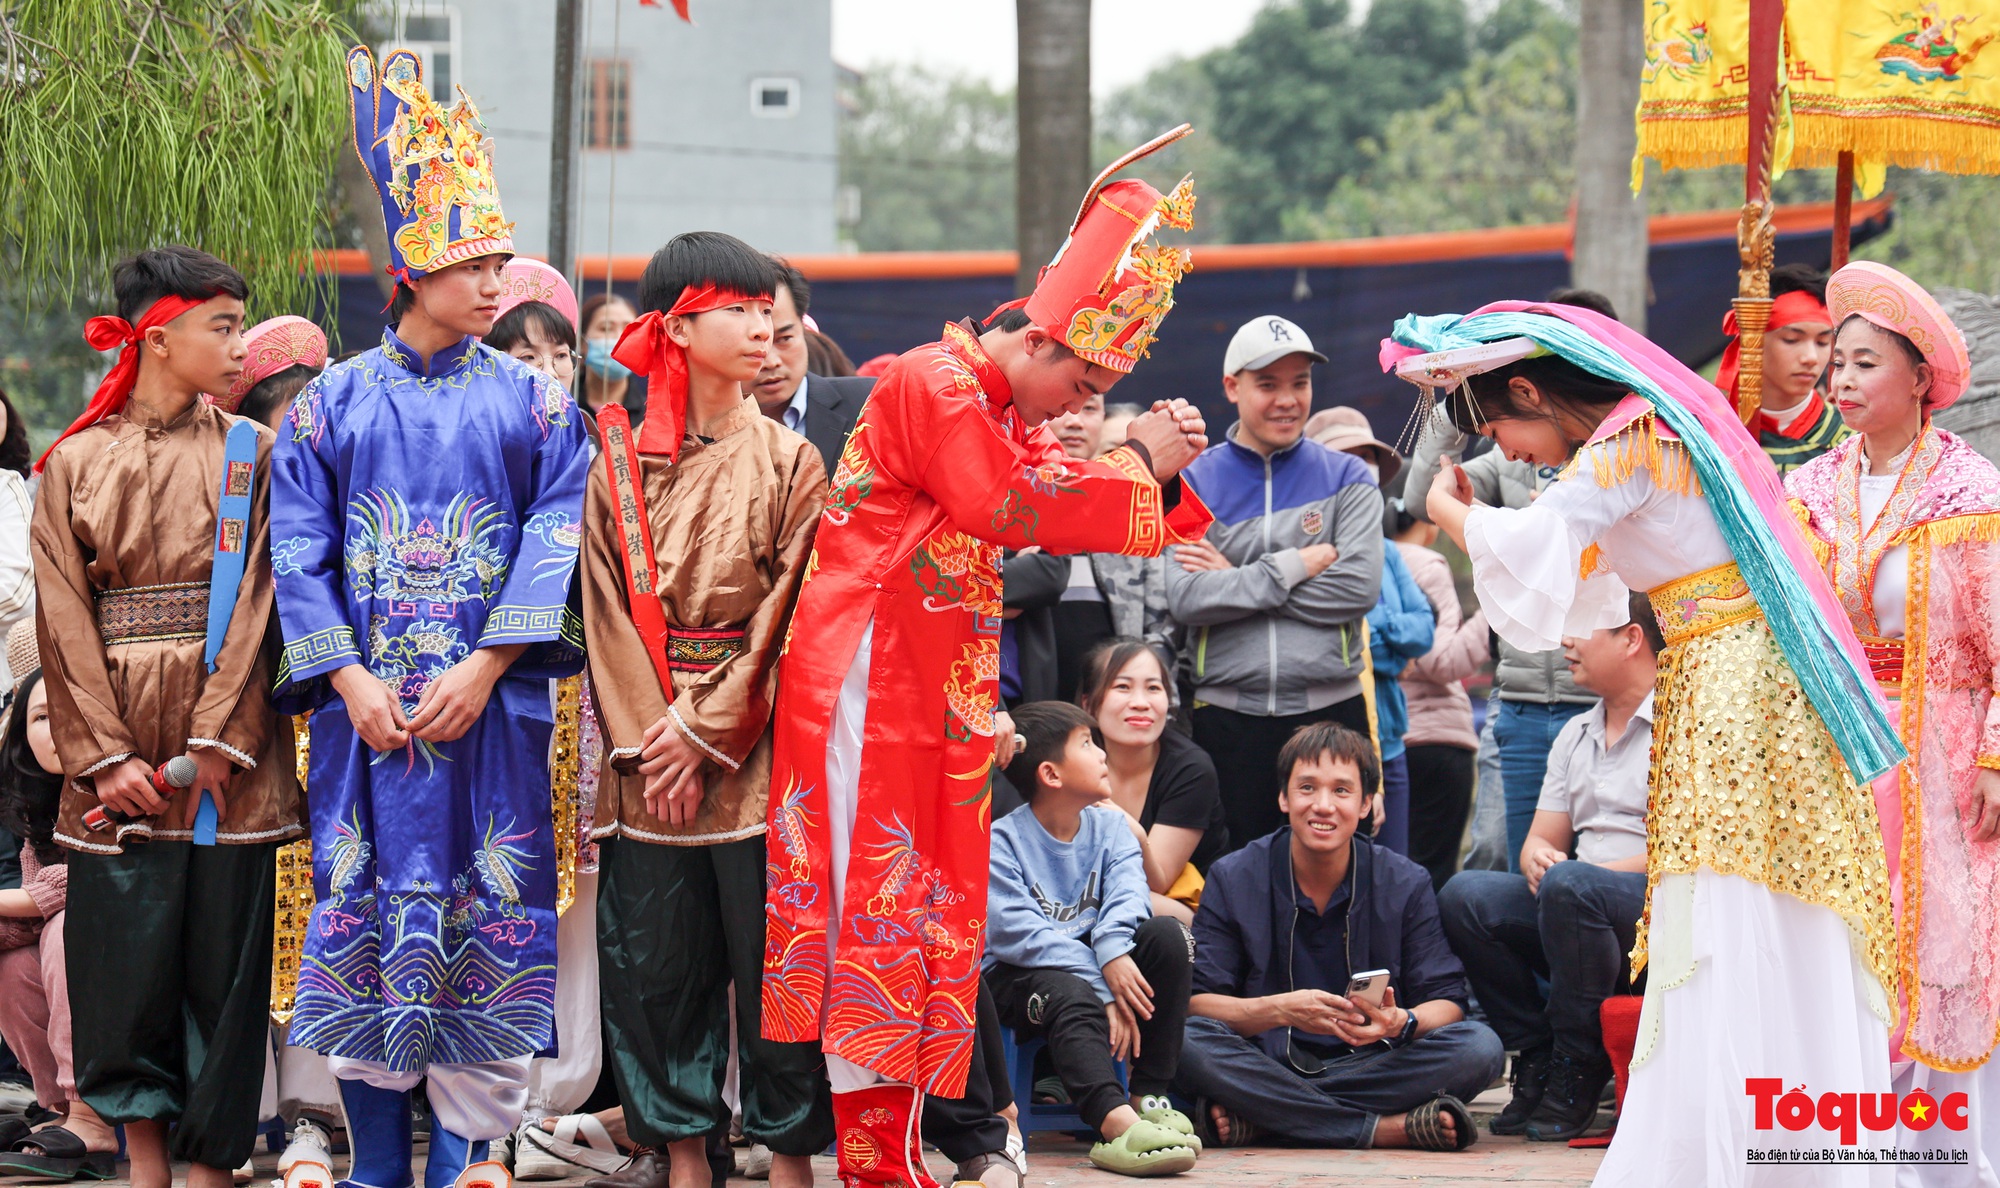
<point x="1769" y="921"/>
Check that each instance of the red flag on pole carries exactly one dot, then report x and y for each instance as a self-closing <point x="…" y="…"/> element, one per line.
<point x="680" y="7"/>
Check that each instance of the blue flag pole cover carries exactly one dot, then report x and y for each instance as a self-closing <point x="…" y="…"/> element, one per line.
<point x="225" y="577"/>
<point x="232" y="534"/>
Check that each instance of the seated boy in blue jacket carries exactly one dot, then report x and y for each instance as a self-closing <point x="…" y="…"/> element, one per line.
<point x="1074" y="954"/>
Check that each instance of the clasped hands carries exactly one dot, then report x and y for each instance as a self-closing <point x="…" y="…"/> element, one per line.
<point x="1173" y="433"/>
<point x="447" y="708"/>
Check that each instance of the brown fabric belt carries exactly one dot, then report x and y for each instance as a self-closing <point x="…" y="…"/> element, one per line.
<point x="151" y="614"/>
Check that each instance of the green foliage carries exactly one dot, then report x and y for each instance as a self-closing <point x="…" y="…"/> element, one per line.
<point x="206" y="122"/>
<point x="1297" y="95"/>
<point x="1177" y="92"/>
<point x="1494" y="151"/>
<point x="45" y="366"/>
<point x="933" y="160"/>
<point x="1945" y="232"/>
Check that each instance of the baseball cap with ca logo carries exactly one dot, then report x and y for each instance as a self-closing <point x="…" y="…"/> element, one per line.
<point x="1262" y="341"/>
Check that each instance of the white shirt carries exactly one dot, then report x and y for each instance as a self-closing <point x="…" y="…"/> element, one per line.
<point x="1602" y="789"/>
<point x="795" y="412"/>
<point x="1892" y="576"/>
<point x="1525" y="560"/>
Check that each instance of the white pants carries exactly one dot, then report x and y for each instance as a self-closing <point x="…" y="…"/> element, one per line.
<point x="558" y="1085"/>
<point x="478" y="1102"/>
<point x="843" y="792"/>
<point x="1981" y="1139"/>
<point x="305" y="1085"/>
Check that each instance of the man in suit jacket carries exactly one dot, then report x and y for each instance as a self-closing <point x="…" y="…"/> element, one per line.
<point x="823" y="409"/>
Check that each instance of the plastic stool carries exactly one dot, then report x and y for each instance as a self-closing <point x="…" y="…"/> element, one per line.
<point x="1036" y="1116"/>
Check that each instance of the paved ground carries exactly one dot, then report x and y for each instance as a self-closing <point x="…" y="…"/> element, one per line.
<point x="1055" y="1161"/>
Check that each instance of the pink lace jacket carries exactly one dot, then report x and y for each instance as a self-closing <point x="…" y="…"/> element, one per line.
<point x="1941" y="678"/>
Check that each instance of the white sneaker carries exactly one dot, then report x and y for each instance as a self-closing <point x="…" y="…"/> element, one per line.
<point x="531" y="1162"/>
<point x="244" y="1174"/>
<point x="309" y="1142"/>
<point x="757" y="1162"/>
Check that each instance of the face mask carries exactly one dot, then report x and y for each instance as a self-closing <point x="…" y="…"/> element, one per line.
<point x="597" y="356"/>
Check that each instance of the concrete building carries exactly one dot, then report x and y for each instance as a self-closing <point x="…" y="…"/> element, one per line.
<point x="727" y="124"/>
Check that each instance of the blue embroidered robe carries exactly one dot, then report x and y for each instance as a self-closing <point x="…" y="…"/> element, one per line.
<point x="419" y="513"/>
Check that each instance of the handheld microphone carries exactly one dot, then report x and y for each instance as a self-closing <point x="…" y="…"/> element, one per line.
<point x="170" y="777"/>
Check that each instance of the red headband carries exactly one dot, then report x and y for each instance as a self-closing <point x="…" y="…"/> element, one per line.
<point x="104" y="333"/>
<point x="1787" y="308"/>
<point x="648" y="349"/>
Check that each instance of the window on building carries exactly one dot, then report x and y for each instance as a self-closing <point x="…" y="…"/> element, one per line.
<point x="774" y="98"/>
<point x="607" y="104"/>
<point x="431" y="32"/>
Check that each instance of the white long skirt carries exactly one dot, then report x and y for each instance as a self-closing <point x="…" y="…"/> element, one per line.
<point x="1980" y="1140"/>
<point x="1745" y="982"/>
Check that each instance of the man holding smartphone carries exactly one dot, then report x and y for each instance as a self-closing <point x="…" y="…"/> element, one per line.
<point x="1272" y="1048"/>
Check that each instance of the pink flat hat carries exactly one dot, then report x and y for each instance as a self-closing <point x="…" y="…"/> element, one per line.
<point x="275" y="344"/>
<point x="531" y="280"/>
<point x="1887" y="298"/>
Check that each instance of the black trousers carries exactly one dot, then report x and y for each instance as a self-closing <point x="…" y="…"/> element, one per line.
<point x="966" y="1127"/>
<point x="1064" y="1011"/>
<point x="1245" y="749"/>
<point x="676" y="925"/>
<point x="169" y="962"/>
<point x="1441" y="780"/>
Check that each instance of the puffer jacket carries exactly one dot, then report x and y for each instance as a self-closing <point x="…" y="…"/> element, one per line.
<point x="1263" y="638"/>
<point x="1520" y="676"/>
<point x="1434" y="683"/>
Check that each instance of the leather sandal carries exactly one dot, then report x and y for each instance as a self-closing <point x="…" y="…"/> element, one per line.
<point x="973" y="1170"/>
<point x="1424" y="1125"/>
<point x="1241" y="1133"/>
<point x="56" y="1154"/>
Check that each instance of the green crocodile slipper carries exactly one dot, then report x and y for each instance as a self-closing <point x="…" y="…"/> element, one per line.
<point x="1161" y="1112"/>
<point x="1145" y="1149"/>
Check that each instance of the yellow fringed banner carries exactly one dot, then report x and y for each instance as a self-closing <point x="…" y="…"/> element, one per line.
<point x="1895" y="82"/>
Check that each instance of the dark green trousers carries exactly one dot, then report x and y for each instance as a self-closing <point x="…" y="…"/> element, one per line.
<point x="676" y="925"/>
<point x="169" y="959"/>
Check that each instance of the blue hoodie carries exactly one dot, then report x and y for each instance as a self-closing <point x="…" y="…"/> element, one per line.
<point x="1072" y="905"/>
<point x="1401" y="628"/>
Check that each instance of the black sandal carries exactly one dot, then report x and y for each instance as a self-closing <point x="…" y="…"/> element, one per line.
<point x="1241" y="1133"/>
<point x="55" y="1153"/>
<point x="1425" y="1128"/>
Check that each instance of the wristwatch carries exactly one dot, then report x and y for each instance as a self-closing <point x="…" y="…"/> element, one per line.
<point x="1409" y="1032"/>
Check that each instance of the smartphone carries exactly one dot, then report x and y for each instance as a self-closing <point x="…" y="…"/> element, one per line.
<point x="1368" y="986"/>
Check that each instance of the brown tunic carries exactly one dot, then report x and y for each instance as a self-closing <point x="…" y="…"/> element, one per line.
<point x="129" y="504"/>
<point x="732" y="527"/>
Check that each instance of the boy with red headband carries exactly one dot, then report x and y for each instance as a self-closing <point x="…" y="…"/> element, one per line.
<point x="153" y="587"/>
<point x="887" y="732"/>
<point x="695" y="544"/>
<point x="1794" y="422"/>
<point x="427" y="504"/>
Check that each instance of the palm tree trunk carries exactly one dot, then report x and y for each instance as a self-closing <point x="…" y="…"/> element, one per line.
<point x="1610" y="219"/>
<point x="1052" y="106"/>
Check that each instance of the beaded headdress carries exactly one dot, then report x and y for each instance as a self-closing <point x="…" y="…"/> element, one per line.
<point x="433" y="168"/>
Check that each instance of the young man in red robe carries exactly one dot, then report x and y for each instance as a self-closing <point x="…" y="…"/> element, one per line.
<point x="886" y="722"/>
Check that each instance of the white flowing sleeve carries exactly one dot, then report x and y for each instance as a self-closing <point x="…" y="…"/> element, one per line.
<point x="1527" y="561"/>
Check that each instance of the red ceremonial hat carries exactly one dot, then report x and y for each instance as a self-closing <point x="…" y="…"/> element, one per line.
<point x="1107" y="288"/>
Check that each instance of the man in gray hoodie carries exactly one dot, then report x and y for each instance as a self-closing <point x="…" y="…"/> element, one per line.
<point x="1535" y="693"/>
<point x="1276" y="596"/>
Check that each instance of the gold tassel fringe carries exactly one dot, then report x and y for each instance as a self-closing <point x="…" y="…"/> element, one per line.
<point x="1637" y="447"/>
<point x="1703" y="136"/>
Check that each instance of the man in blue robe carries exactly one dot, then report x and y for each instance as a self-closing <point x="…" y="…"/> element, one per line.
<point x="427" y="497"/>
